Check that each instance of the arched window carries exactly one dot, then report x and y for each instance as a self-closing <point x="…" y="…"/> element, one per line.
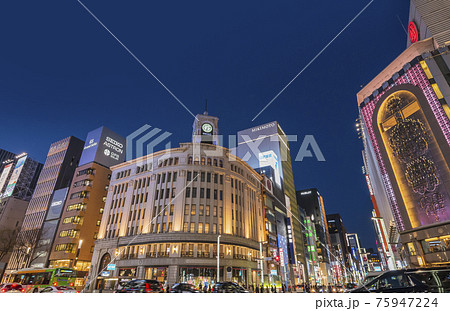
<point x="203" y="160"/>
<point x="196" y="160"/>
<point x="190" y="160"/>
<point x="106" y="259"/>
<point x="215" y="162"/>
<point x="209" y="161"/>
<point x="220" y="163"/>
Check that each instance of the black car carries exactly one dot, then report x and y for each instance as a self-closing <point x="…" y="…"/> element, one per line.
<point x="436" y="279"/>
<point x="141" y="286"/>
<point x="228" y="287"/>
<point x="184" y="288"/>
<point x="398" y="281"/>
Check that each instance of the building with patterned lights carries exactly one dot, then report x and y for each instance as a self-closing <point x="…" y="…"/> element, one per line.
<point x="405" y="121"/>
<point x="177" y="214"/>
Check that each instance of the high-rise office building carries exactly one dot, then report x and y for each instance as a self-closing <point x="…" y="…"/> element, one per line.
<point x="312" y="202"/>
<point x="57" y="173"/>
<point x="81" y="212"/>
<point x="339" y="249"/>
<point x="266" y="148"/>
<point x="18" y="176"/>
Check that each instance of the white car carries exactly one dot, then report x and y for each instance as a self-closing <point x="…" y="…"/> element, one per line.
<point x="59" y="289"/>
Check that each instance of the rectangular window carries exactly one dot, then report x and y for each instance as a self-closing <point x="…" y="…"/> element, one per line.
<point x="192" y="229"/>
<point x="169" y="177"/>
<point x="208" y="177"/>
<point x="214" y="228"/>
<point x="215" y="194"/>
<point x="161" y="194"/>
<point x="221" y="195"/>
<point x="169" y="229"/>
<point x="167" y="193"/>
<point x="207" y="210"/>
<point x="163" y="178"/>
<point x="158" y="178"/>
<point x="175" y="175"/>
<point x="195" y="176"/>
<point x="193" y="208"/>
<point x="200" y="210"/>
<point x="202" y="176"/>
<point x="206" y="227"/>
<point x="171" y="209"/>
<point x="200" y="227"/>
<point x="221" y="179"/>
<point x="202" y="193"/>
<point x="185" y="227"/>
<point x="194" y="192"/>
<point x="188" y="192"/>
<point x="186" y="209"/>
<point x="173" y="193"/>
<point x="208" y="193"/>
<point x="215" y="178"/>
<point x="215" y="211"/>
<point x="188" y="176"/>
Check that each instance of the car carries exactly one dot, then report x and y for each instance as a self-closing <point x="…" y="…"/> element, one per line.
<point x="11" y="288"/>
<point x="396" y="281"/>
<point x="337" y="289"/>
<point x="349" y="287"/>
<point x="141" y="286"/>
<point x="59" y="289"/>
<point x="436" y="279"/>
<point x="228" y="287"/>
<point x="371" y="275"/>
<point x="183" y="288"/>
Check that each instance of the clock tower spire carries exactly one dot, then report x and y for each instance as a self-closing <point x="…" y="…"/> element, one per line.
<point x="205" y="128"/>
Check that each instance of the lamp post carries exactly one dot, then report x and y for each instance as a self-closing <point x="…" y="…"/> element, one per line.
<point x="218" y="257"/>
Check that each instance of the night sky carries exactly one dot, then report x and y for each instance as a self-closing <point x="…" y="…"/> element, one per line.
<point x="62" y="74"/>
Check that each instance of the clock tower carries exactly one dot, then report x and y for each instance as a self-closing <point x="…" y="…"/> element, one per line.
<point x="205" y="129"/>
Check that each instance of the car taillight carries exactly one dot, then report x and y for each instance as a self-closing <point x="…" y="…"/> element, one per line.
<point x="71" y="284"/>
<point x="147" y="288"/>
<point x="23" y="290"/>
<point x="3" y="290"/>
<point x="78" y="292"/>
<point x="55" y="283"/>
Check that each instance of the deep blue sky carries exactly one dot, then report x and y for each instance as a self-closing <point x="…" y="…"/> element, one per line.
<point x="62" y="74"/>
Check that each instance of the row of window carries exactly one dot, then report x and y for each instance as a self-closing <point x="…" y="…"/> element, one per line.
<point x="168" y="161"/>
<point x="83" y="183"/>
<point x="69" y="233"/>
<point x="204" y="177"/>
<point x="123" y="174"/>
<point x="202" y="210"/>
<point x="77" y="207"/>
<point x="80" y="194"/>
<point x="205" y="161"/>
<point x="204" y="193"/>
<point x="88" y="171"/>
<point x="161" y="178"/>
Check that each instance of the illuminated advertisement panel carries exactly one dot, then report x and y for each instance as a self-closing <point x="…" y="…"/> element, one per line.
<point x="14" y="177"/>
<point x="259" y="147"/>
<point x="104" y="147"/>
<point x="4" y="175"/>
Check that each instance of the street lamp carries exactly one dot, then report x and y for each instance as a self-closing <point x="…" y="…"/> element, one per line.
<point x="218" y="257"/>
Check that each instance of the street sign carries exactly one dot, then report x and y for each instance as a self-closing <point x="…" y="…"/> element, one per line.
<point x="105" y="273"/>
<point x="111" y="266"/>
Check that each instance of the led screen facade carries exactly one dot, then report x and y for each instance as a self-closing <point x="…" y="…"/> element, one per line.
<point x="4" y="176"/>
<point x="104" y="147"/>
<point x="15" y="176"/>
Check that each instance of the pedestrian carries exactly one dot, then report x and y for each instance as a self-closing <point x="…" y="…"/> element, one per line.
<point x="283" y="288"/>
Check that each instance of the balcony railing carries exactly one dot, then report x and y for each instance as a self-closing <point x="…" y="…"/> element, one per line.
<point x="187" y="254"/>
<point x="203" y="255"/>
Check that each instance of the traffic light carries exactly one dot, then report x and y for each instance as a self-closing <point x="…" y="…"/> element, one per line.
<point x="277" y="258"/>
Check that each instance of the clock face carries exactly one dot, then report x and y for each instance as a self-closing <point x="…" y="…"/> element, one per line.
<point x="207" y="128"/>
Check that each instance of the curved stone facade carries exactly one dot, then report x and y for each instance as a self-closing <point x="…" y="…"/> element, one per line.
<point x="164" y="213"/>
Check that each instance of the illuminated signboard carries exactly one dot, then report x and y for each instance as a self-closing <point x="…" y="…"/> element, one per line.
<point x="14" y="177"/>
<point x="104" y="147"/>
<point x="57" y="203"/>
<point x="413" y="32"/>
<point x="4" y="175"/>
<point x="260" y="147"/>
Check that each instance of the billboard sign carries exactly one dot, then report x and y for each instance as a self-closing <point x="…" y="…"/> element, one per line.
<point x="104" y="147"/>
<point x="57" y="203"/>
<point x="5" y="175"/>
<point x="15" y="176"/>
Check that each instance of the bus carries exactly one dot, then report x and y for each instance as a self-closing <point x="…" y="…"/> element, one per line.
<point x="33" y="280"/>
